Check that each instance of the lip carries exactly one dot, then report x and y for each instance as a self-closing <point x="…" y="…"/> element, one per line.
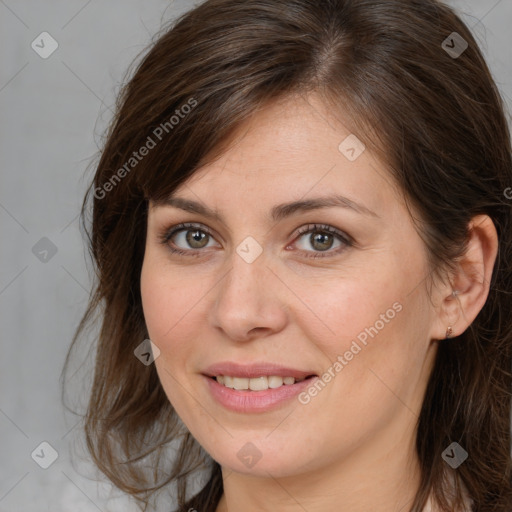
<point x="255" y="401"/>
<point x="254" y="370"/>
<point x="247" y="401"/>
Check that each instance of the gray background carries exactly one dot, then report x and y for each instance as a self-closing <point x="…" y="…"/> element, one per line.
<point x="53" y="113"/>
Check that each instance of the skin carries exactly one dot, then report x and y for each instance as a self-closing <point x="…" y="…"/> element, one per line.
<point x="353" y="443"/>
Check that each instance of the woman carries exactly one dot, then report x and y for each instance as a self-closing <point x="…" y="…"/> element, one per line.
<point x="303" y="244"/>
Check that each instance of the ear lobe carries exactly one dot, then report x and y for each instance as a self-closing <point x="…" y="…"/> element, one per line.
<point x="471" y="280"/>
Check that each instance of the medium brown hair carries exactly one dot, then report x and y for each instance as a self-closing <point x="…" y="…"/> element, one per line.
<point x="439" y="123"/>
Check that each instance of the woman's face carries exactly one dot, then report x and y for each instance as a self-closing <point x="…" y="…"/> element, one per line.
<point x="266" y="291"/>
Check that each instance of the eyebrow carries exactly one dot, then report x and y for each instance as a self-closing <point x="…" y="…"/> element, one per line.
<point x="278" y="212"/>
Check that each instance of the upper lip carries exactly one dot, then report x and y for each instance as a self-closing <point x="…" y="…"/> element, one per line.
<point x="254" y="370"/>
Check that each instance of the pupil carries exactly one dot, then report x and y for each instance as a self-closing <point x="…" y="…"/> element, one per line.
<point x="195" y="236"/>
<point x="322" y="238"/>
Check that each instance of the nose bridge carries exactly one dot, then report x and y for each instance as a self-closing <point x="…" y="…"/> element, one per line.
<point x="243" y="300"/>
<point x="248" y="269"/>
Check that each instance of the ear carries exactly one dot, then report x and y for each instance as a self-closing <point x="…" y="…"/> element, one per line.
<point x="462" y="300"/>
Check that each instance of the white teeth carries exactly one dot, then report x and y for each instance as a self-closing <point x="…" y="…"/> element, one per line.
<point x="275" y="382"/>
<point x="240" y="383"/>
<point x="257" y="383"/>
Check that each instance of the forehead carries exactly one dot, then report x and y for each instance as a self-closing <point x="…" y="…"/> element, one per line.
<point x="292" y="149"/>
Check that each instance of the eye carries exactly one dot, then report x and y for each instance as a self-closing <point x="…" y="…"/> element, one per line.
<point x="194" y="236"/>
<point x="322" y="238"/>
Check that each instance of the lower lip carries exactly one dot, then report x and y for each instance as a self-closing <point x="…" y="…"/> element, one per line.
<point x="256" y="401"/>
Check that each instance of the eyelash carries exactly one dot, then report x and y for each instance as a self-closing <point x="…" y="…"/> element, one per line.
<point x="165" y="236"/>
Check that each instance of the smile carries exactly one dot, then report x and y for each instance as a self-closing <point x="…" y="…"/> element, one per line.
<point x="263" y="399"/>
<point x="256" y="384"/>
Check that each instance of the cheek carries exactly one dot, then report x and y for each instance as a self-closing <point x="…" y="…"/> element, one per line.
<point x="369" y="332"/>
<point x="166" y="301"/>
<point x="167" y="296"/>
<point x="348" y="308"/>
<point x="173" y="305"/>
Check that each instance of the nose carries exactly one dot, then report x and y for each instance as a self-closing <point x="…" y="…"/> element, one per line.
<point x="249" y="300"/>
